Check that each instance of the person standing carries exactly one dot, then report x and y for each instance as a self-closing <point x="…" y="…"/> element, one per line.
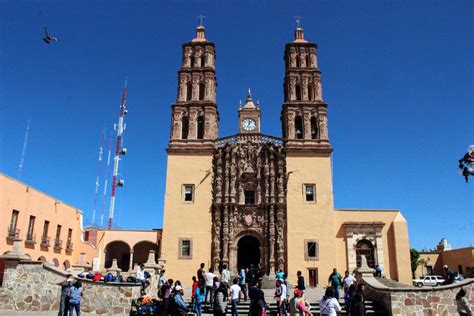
<point x="357" y="303"/>
<point x="235" y="296"/>
<point x="209" y="278"/>
<point x="335" y="281"/>
<point x="200" y="297"/>
<point x="348" y="281"/>
<point x="162" y="279"/>
<point x="193" y="294"/>
<point x="329" y="305"/>
<point x="75" y="294"/>
<point x="63" y="300"/>
<point x="300" y="284"/>
<point x="225" y="275"/>
<point x="280" y="297"/>
<point x="280" y="274"/>
<point x="201" y="273"/>
<point x="463" y="304"/>
<point x="165" y="294"/>
<point x="242" y="283"/>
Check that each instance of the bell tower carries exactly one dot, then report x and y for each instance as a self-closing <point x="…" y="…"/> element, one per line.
<point x="194" y="123"/>
<point x="304" y="114"/>
<point x="249" y="116"/>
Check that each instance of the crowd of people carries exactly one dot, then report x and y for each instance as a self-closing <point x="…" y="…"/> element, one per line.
<point x="221" y="295"/>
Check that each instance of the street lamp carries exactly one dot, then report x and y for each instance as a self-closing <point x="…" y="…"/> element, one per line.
<point x="466" y="163"/>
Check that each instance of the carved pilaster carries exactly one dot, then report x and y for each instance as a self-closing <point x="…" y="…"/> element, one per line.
<point x="187" y="57"/>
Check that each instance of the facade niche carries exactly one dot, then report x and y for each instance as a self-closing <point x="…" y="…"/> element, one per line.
<point x="189" y="91"/>
<point x="314" y="128"/>
<point x="201" y="91"/>
<point x="200" y="127"/>
<point x="298" y="92"/>
<point x="299" y="127"/>
<point x="185" y="128"/>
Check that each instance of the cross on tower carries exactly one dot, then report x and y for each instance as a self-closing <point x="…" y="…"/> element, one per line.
<point x="201" y="19"/>
<point x="298" y="20"/>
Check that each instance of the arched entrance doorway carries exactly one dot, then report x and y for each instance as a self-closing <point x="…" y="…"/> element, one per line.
<point x="365" y="247"/>
<point x="117" y="250"/>
<point x="248" y="251"/>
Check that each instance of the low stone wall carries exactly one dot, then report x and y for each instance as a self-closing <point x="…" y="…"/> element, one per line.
<point x="417" y="301"/>
<point x="32" y="286"/>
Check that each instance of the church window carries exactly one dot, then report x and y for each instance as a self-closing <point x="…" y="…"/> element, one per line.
<point x="185" y="128"/>
<point x="193" y="62"/>
<point x="200" y="127"/>
<point x="188" y="193"/>
<point x="249" y="197"/>
<point x="201" y="91"/>
<point x="308" y="61"/>
<point x="311" y="250"/>
<point x="203" y="61"/>
<point x="298" y="92"/>
<point x="310" y="93"/>
<point x="299" y="127"/>
<point x="314" y="128"/>
<point x="185" y="248"/>
<point x="189" y="91"/>
<point x="297" y="62"/>
<point x="310" y="193"/>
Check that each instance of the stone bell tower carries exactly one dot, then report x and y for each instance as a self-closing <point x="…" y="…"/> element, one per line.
<point x="194" y="115"/>
<point x="304" y="115"/>
<point x="249" y="116"/>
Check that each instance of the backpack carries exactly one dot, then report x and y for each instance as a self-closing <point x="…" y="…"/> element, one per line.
<point x="109" y="278"/>
<point x="75" y="295"/>
<point x="147" y="275"/>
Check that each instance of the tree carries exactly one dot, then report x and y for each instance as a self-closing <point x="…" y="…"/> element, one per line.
<point x="423" y="263"/>
<point x="414" y="256"/>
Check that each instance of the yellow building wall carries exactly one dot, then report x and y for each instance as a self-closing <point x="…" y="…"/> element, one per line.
<point x="430" y="259"/>
<point x="187" y="220"/>
<point x="28" y="201"/>
<point x="310" y="221"/>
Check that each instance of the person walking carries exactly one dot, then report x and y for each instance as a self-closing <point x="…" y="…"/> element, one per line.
<point x="220" y="300"/>
<point x="335" y="281"/>
<point x="235" y="296"/>
<point x="242" y="283"/>
<point x="463" y="304"/>
<point x="63" y="300"/>
<point x="257" y="300"/>
<point x="329" y="305"/>
<point x="75" y="294"/>
<point x="201" y="273"/>
<point x="200" y="297"/>
<point x="280" y="297"/>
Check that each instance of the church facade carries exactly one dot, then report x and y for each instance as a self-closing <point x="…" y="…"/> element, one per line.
<point x="255" y="199"/>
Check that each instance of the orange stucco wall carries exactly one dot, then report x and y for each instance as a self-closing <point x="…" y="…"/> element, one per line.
<point x="457" y="258"/>
<point x="28" y="202"/>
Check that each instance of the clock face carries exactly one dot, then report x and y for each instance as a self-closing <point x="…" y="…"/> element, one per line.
<point x="248" y="124"/>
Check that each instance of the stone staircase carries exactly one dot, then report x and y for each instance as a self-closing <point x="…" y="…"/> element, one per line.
<point x="243" y="308"/>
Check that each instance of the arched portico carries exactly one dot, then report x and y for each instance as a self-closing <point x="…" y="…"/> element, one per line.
<point x="119" y="250"/>
<point x="248" y="249"/>
<point x="141" y="251"/>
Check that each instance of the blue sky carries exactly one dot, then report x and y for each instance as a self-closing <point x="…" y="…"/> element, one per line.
<point x="397" y="75"/>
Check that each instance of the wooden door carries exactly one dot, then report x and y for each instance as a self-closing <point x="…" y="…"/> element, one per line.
<point x="313" y="277"/>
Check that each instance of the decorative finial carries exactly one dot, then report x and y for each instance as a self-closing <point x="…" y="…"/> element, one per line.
<point x="240" y="104"/>
<point x="298" y="21"/>
<point x="201" y="19"/>
<point x="249" y="103"/>
<point x="249" y="95"/>
<point x="258" y="104"/>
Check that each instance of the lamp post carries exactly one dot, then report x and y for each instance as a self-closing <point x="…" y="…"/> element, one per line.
<point x="466" y="163"/>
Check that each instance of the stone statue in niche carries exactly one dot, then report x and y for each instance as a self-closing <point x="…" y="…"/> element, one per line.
<point x="176" y="124"/>
<point x="187" y="57"/>
<point x="292" y="89"/>
<point x="303" y="59"/>
<point x="182" y="88"/>
<point x="323" y="127"/>
<point x="313" y="60"/>
<point x="197" y="57"/>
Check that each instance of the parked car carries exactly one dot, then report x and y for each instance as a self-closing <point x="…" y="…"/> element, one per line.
<point x="430" y="280"/>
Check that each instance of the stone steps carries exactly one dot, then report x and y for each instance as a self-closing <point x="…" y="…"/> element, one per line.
<point x="243" y="308"/>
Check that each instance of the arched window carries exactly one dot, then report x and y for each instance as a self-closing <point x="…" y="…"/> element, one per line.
<point x="203" y="61"/>
<point x="299" y="127"/>
<point x="308" y="60"/>
<point x="314" y="128"/>
<point x="298" y="61"/>
<point x="193" y="62"/>
<point x="365" y="247"/>
<point x="201" y="91"/>
<point x="189" y="91"/>
<point x="200" y="127"/>
<point x="185" y="128"/>
<point x="298" y="92"/>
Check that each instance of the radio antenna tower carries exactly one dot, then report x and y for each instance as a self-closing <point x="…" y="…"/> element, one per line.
<point x="99" y="163"/>
<point x="23" y="151"/>
<point x="107" y="174"/>
<point x="120" y="127"/>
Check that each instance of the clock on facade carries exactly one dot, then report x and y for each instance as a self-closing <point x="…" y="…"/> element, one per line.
<point x="248" y="124"/>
